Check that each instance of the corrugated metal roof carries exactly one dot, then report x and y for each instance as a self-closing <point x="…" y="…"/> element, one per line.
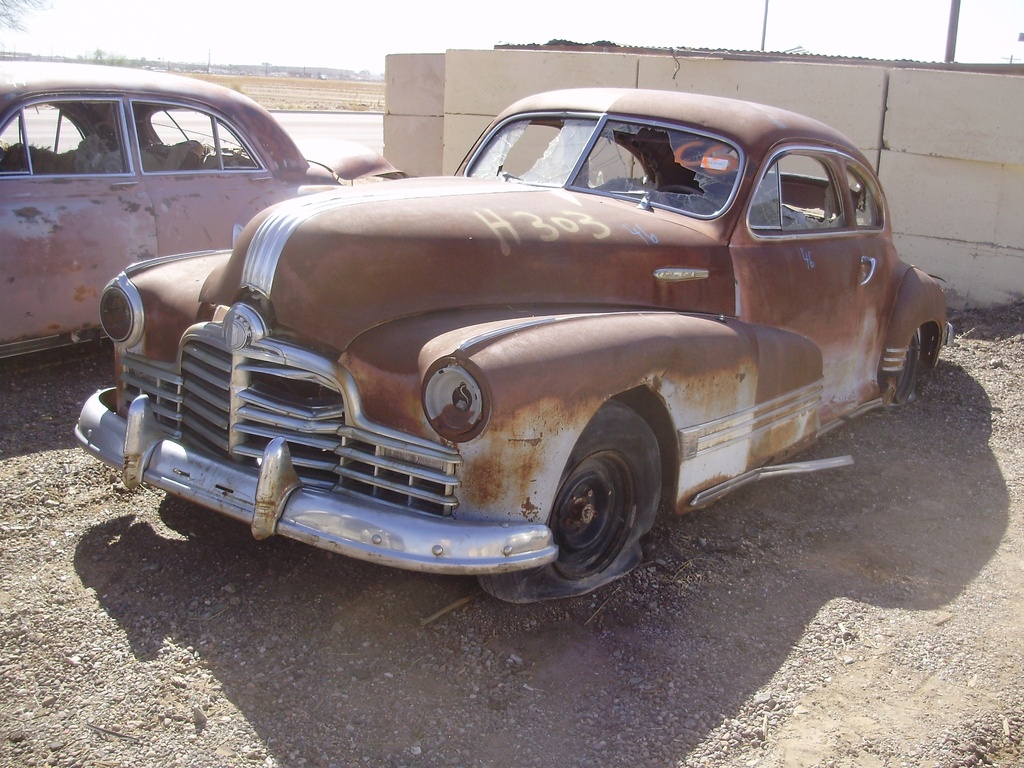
<point x="763" y="56"/>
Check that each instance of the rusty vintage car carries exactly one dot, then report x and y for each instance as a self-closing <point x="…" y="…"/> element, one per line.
<point x="625" y="301"/>
<point x="101" y="167"/>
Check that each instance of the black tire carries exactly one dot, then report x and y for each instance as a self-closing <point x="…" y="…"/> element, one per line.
<point x="906" y="383"/>
<point x="606" y="500"/>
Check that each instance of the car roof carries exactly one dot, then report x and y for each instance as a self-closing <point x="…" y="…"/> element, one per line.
<point x="754" y="126"/>
<point x="24" y="78"/>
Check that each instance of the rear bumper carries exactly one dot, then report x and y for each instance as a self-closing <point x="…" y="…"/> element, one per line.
<point x="272" y="500"/>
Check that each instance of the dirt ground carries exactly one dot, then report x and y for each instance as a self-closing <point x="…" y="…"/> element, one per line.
<point x="867" y="616"/>
<point x="306" y="94"/>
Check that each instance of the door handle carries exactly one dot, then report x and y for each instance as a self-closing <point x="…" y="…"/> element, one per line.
<point x="867" y="269"/>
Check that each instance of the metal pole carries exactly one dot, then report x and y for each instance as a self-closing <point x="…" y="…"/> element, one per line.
<point x="954" y="23"/>
<point x="764" y="27"/>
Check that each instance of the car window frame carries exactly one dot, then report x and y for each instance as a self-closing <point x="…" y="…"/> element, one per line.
<point x="128" y="144"/>
<point x="217" y="118"/>
<point x="870" y="180"/>
<point x="835" y="162"/>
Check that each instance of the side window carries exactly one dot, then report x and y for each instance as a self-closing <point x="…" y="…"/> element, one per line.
<point x="798" y="193"/>
<point x="63" y="138"/>
<point x="175" y="139"/>
<point x="867" y="211"/>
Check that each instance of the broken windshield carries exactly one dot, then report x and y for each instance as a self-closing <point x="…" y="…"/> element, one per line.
<point x="654" y="164"/>
<point x="541" y="151"/>
<point x="662" y="166"/>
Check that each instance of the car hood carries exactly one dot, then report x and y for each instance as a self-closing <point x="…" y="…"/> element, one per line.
<point x="336" y="264"/>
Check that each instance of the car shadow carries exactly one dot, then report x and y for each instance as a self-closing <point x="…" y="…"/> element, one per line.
<point x="327" y="656"/>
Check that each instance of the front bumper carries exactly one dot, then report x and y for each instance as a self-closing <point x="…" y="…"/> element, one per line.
<point x="272" y="500"/>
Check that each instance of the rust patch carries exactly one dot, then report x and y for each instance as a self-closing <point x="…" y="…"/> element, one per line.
<point x="85" y="293"/>
<point x="532" y="441"/>
<point x="30" y="213"/>
<point x="530" y="511"/>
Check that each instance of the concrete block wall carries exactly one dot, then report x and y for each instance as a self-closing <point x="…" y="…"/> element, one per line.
<point x="414" y="89"/>
<point x="953" y="170"/>
<point x="849" y="98"/>
<point x="948" y="145"/>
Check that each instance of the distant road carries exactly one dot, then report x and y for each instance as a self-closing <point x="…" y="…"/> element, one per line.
<point x="308" y="129"/>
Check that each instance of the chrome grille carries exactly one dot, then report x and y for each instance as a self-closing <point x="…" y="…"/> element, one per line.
<point x="234" y="405"/>
<point x="278" y="400"/>
<point x="161" y="381"/>
<point x="206" y="397"/>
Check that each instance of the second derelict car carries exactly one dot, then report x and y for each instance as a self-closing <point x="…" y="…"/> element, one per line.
<point x="101" y="167"/>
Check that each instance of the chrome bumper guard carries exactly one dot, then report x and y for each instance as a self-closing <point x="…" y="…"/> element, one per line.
<point x="272" y="500"/>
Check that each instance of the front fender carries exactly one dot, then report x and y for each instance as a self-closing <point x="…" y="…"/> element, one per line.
<point x="546" y="375"/>
<point x="169" y="289"/>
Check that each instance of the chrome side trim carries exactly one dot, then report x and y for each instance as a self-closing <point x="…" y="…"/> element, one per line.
<point x="778" y="470"/>
<point x="748" y="424"/>
<point x="860" y="410"/>
<point x="893" y="359"/>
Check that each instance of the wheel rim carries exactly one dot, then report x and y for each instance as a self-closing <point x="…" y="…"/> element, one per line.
<point x="594" y="512"/>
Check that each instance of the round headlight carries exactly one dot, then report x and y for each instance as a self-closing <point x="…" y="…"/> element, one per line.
<point x="121" y="312"/>
<point x="454" y="401"/>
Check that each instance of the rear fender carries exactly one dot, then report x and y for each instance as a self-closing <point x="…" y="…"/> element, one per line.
<point x="920" y="303"/>
<point x="349" y="160"/>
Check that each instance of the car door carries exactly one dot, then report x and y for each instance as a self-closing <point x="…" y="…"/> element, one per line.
<point x="73" y="213"/>
<point x="815" y="258"/>
<point x="205" y="179"/>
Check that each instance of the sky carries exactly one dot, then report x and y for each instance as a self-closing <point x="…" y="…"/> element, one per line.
<point x="357" y="36"/>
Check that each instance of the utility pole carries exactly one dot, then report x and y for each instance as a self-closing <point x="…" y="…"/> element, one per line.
<point x="954" y="24"/>
<point x="764" y="27"/>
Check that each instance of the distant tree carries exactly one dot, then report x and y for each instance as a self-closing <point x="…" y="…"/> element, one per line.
<point x="13" y="11"/>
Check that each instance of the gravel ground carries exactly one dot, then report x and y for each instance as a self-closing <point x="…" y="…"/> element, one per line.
<point x="868" y="616"/>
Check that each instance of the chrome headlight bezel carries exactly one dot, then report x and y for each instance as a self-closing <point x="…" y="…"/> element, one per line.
<point x="121" y="312"/>
<point x="455" y="399"/>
